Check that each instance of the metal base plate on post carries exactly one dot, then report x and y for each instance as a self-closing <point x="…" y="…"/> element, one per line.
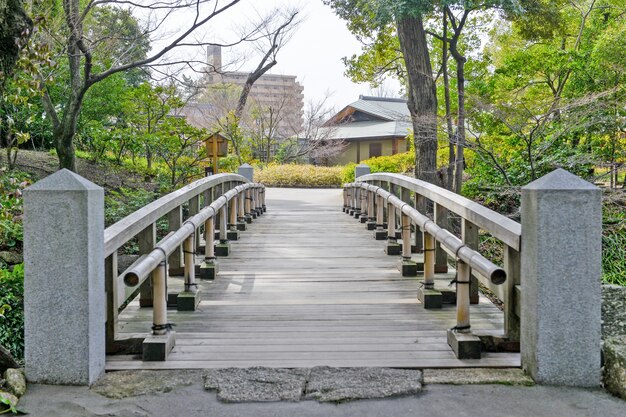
<point x="232" y="235"/>
<point x="241" y="226"/>
<point x="158" y="347"/>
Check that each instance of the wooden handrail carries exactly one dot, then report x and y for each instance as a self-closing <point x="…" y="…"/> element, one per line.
<point x="141" y="269"/>
<point x="116" y="235"/>
<point x="501" y="227"/>
<point x="452" y="244"/>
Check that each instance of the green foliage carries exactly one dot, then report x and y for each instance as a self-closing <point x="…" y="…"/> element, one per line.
<point x="401" y="163"/>
<point x="12" y="305"/>
<point x="614" y="239"/>
<point x="293" y="175"/>
<point x="11" y="211"/>
<point x="121" y="203"/>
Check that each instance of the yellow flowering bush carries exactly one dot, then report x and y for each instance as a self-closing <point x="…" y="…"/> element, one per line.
<point x="293" y="175"/>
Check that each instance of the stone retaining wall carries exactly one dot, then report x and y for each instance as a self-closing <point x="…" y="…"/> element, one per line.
<point x="613" y="311"/>
<point x="614" y="339"/>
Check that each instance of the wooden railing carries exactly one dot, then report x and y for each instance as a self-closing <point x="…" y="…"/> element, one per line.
<point x="228" y="200"/>
<point x="424" y="208"/>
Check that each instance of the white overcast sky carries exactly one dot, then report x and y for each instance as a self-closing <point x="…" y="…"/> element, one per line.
<point x="313" y="54"/>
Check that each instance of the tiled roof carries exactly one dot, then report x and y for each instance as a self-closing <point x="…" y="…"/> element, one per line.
<point x="387" y="110"/>
<point x="369" y="129"/>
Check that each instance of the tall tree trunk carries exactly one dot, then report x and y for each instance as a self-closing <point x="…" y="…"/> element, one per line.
<point x="446" y="89"/>
<point x="422" y="95"/>
<point x="460" y="131"/>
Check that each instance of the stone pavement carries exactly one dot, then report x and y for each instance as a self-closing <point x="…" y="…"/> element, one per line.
<point x="183" y="393"/>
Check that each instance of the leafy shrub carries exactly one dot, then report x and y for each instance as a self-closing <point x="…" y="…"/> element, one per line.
<point x="292" y="175"/>
<point x="400" y="163"/>
<point x="11" y="211"/>
<point x="12" y="310"/>
<point x="614" y="239"/>
<point x="119" y="204"/>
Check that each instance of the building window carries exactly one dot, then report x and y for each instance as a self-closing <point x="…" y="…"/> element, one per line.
<point x="376" y="149"/>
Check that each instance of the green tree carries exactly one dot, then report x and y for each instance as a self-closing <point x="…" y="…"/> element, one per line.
<point x="91" y="60"/>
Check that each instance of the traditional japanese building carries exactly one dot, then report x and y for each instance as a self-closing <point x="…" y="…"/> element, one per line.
<point x="371" y="126"/>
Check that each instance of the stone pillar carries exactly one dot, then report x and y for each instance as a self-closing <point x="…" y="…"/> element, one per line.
<point x="64" y="280"/>
<point x="361" y="170"/>
<point x="247" y="171"/>
<point x="560" y="280"/>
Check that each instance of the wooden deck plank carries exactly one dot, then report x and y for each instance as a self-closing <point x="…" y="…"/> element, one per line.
<point x="307" y="285"/>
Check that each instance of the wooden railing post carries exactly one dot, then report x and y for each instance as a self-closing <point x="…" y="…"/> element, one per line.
<point x="209" y="268"/>
<point x="146" y="240"/>
<point x="363" y="204"/>
<point x="512" y="304"/>
<point x="249" y="201"/>
<point x="111" y="289"/>
<point x="392" y="247"/>
<point x="194" y="208"/>
<point x="469" y="236"/>
<point x="223" y="248"/>
<point x="464" y="344"/>
<point x="429" y="297"/>
<point x="441" y="219"/>
<point x="233" y="233"/>
<point x="407" y="266"/>
<point x="380" y="233"/>
<point x="356" y="203"/>
<point x="188" y="299"/>
<point x="157" y="346"/>
<point x="174" y="221"/>
<point x="241" y="211"/>
<point x="371" y="213"/>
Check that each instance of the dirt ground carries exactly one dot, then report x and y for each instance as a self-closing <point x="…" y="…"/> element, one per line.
<point x="108" y="176"/>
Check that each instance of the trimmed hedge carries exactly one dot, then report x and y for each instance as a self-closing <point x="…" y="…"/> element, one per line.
<point x="401" y="163"/>
<point x="305" y="176"/>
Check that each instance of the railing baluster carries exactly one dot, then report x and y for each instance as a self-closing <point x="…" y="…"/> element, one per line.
<point x="407" y="266"/>
<point x="223" y="248"/>
<point x="209" y="268"/>
<point x="194" y="208"/>
<point x="232" y="233"/>
<point x="188" y="299"/>
<point x="147" y="240"/>
<point x="469" y="236"/>
<point x="512" y="303"/>
<point x="441" y="219"/>
<point x="380" y="233"/>
<point x="110" y="288"/>
<point x="464" y="344"/>
<point x="174" y="221"/>
<point x="158" y="346"/>
<point x="392" y="247"/>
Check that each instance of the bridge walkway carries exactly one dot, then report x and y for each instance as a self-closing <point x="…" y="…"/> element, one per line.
<point x="307" y="285"/>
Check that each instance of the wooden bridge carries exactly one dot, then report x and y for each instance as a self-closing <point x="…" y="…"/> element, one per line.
<point x="385" y="272"/>
<point x="305" y="284"/>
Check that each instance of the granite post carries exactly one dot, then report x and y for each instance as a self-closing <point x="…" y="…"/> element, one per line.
<point x="361" y="170"/>
<point x="64" y="323"/>
<point x="560" y="287"/>
<point x="246" y="171"/>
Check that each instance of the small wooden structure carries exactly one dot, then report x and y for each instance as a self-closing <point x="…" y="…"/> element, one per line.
<point x="216" y="145"/>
